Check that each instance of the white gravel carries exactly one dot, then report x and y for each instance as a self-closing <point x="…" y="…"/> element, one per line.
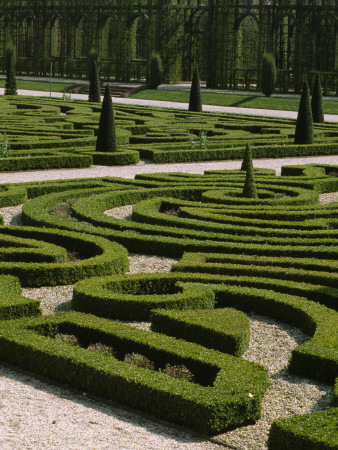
<point x="37" y="415"/>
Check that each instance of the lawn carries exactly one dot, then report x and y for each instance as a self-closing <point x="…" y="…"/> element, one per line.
<point x="42" y="85"/>
<point x="235" y="100"/>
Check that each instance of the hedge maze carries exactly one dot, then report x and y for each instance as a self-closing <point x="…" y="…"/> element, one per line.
<point x="50" y="133"/>
<point x="276" y="256"/>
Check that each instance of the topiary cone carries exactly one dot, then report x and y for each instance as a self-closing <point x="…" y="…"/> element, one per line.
<point x="195" y="100"/>
<point x="94" y="87"/>
<point x="304" y="125"/>
<point x="247" y="159"/>
<point x="106" y="137"/>
<point x="317" y="102"/>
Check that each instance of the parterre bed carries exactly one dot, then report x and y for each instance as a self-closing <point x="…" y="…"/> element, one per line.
<point x="52" y="133"/>
<point x="275" y="256"/>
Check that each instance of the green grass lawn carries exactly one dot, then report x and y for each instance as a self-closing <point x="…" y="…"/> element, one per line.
<point x="42" y="85"/>
<point x="242" y="101"/>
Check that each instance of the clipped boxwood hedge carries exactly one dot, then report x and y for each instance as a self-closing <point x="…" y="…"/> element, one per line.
<point x="12" y="304"/>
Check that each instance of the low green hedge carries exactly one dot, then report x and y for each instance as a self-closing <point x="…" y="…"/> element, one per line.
<point x="228" y="391"/>
<point x="12" y="195"/>
<point x="315" y="431"/>
<point x="12" y="304"/>
<point x="135" y="296"/>
<point x="226" y="330"/>
<point x="120" y="158"/>
<point x="94" y="256"/>
<point x="62" y="160"/>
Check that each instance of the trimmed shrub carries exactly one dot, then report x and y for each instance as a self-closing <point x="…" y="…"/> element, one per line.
<point x="268" y="74"/>
<point x="304" y="124"/>
<point x="247" y="159"/>
<point x="106" y="137"/>
<point x="195" y="100"/>
<point x="12" y="304"/>
<point x="94" y="88"/>
<point x="10" y="86"/>
<point x="155" y="71"/>
<point x="249" y="188"/>
<point x="317" y="102"/>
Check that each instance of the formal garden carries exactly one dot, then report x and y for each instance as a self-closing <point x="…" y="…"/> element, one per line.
<point x="242" y="242"/>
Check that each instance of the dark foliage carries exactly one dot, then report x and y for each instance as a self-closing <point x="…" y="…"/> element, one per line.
<point x="106" y="137"/>
<point x="249" y="189"/>
<point x="247" y="160"/>
<point x="268" y="74"/>
<point x="94" y="88"/>
<point x="10" y="86"/>
<point x="317" y="102"/>
<point x="155" y="71"/>
<point x="195" y="101"/>
<point x="304" y="125"/>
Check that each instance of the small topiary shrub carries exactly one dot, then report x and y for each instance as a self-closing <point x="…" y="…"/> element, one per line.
<point x="304" y="124"/>
<point x="195" y="100"/>
<point x="268" y="74"/>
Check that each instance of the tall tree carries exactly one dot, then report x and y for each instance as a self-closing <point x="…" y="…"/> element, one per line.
<point x="94" y="87"/>
<point x="268" y="74"/>
<point x="195" y="100"/>
<point x="317" y="102"/>
<point x="10" y="86"/>
<point x="304" y="124"/>
<point x="106" y="136"/>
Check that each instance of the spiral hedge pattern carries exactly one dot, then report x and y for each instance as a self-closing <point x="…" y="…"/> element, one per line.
<point x="275" y="256"/>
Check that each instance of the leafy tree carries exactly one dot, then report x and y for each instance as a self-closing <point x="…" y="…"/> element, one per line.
<point x="195" y="101"/>
<point x="268" y="74"/>
<point x="94" y="87"/>
<point x="249" y="188"/>
<point x="10" y="86"/>
<point x="317" y="102"/>
<point x="106" y="136"/>
<point x="304" y="125"/>
<point x="247" y="160"/>
<point x="155" y="70"/>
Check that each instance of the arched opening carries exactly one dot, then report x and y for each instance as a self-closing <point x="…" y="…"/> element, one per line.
<point x="79" y="41"/>
<point x="139" y="38"/>
<point x="24" y="37"/>
<point x="55" y="37"/>
<point x="247" y="44"/>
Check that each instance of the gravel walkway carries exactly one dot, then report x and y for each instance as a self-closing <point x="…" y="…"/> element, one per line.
<point x="37" y="415"/>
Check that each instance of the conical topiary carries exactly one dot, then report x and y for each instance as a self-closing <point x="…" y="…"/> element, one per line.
<point x="94" y="87"/>
<point x="195" y="101"/>
<point x="106" y="137"/>
<point x="268" y="74"/>
<point x="10" y="86"/>
<point x="317" y="102"/>
<point x="249" y="189"/>
<point x="304" y="125"/>
<point x="247" y="159"/>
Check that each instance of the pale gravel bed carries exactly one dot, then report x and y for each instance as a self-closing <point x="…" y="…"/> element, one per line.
<point x="36" y="415"/>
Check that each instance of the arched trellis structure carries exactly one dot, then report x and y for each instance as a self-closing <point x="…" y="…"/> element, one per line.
<point x="225" y="39"/>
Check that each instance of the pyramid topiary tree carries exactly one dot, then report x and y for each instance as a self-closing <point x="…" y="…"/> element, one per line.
<point x="10" y="86"/>
<point x="317" y="102"/>
<point x="155" y="71"/>
<point x="304" y="125"/>
<point x="94" y="87"/>
<point x="247" y="159"/>
<point x="268" y="74"/>
<point x="249" y="188"/>
<point x="195" y="101"/>
<point x="106" y="137"/>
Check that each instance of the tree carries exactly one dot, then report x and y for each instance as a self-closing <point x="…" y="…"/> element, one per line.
<point x="247" y="159"/>
<point x="106" y="137"/>
<point x="317" y="102"/>
<point x="304" y="124"/>
<point x="10" y="86"/>
<point x="249" y="188"/>
<point x="268" y="74"/>
<point x="94" y="87"/>
<point x="155" y="70"/>
<point x="195" y="101"/>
